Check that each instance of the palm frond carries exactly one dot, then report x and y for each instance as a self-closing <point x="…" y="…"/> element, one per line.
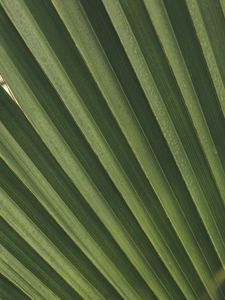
<point x="112" y="181"/>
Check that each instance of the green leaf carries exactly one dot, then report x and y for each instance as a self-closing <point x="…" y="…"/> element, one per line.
<point x="112" y="156"/>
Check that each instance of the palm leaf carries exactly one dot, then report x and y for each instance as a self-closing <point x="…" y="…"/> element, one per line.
<point x="112" y="162"/>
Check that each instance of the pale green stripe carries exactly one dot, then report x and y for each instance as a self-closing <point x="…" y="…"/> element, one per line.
<point x="152" y="93"/>
<point x="38" y="241"/>
<point x="27" y="172"/>
<point x="206" y="46"/>
<point x="98" y="143"/>
<point x="165" y="32"/>
<point x="17" y="273"/>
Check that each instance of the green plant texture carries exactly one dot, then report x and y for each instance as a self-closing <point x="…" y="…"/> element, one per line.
<point x="112" y="150"/>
